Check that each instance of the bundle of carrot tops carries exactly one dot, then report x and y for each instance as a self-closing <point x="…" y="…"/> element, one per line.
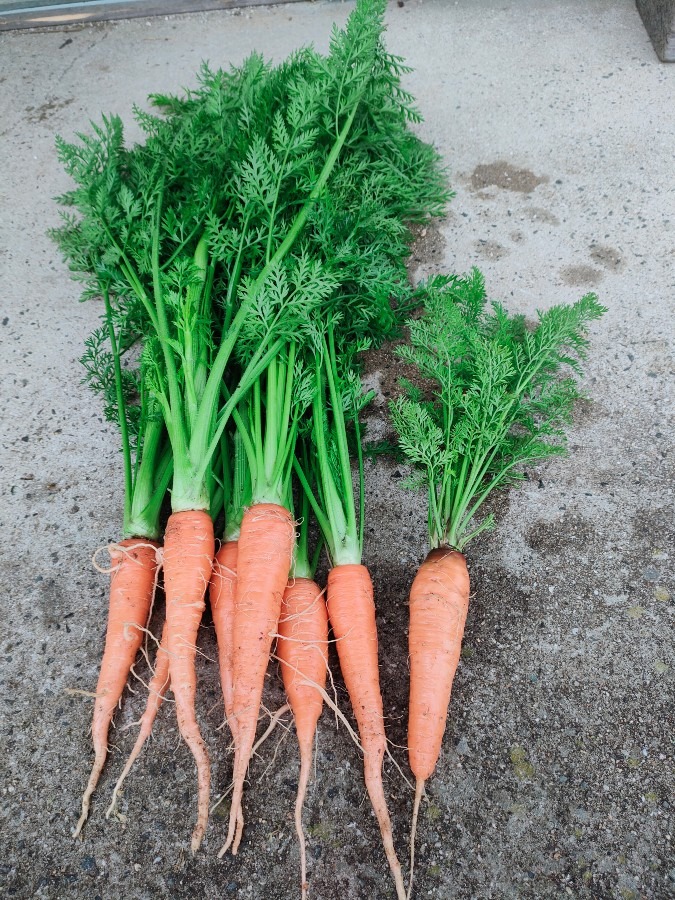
<point x="245" y="254"/>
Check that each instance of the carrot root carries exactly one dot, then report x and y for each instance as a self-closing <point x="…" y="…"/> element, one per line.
<point x="419" y="791"/>
<point x="134" y="564"/>
<point x="351" y="610"/>
<point x="221" y="595"/>
<point x="439" y="601"/>
<point x="264" y="557"/>
<point x="303" y="649"/>
<point x="189" y="548"/>
<point x="303" y="781"/>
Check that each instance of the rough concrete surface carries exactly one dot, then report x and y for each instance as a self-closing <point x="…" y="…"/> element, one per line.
<point x="556" y="777"/>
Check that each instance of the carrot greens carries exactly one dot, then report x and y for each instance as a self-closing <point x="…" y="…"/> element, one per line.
<point x="502" y="396"/>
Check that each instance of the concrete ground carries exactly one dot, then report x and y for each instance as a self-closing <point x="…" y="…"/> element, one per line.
<point x="557" y="774"/>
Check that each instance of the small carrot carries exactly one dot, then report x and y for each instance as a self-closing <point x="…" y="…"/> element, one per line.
<point x="159" y="685"/>
<point x="132" y="585"/>
<point x="302" y="649"/>
<point x="499" y="403"/>
<point x="222" y="594"/>
<point x="439" y="601"/>
<point x="263" y="563"/>
<point x="188" y="556"/>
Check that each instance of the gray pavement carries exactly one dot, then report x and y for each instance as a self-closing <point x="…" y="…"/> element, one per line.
<point x="557" y="777"/>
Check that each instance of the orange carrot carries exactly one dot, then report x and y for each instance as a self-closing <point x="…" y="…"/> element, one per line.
<point x="351" y="610"/>
<point x="439" y="601"/>
<point x="221" y="594"/>
<point x="159" y="684"/>
<point x="303" y="650"/>
<point x="134" y="569"/>
<point x="264" y="559"/>
<point x="188" y="556"/>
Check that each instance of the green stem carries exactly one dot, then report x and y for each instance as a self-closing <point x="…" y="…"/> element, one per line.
<point x="121" y="408"/>
<point x="340" y="432"/>
<point x="175" y="424"/>
<point x="324" y="523"/>
<point x="212" y="389"/>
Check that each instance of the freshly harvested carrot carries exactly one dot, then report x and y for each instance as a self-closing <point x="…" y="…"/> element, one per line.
<point x="132" y="586"/>
<point x="221" y="595"/>
<point x="439" y="601"/>
<point x="263" y="563"/>
<point x="501" y="400"/>
<point x="159" y="684"/>
<point x="351" y="611"/>
<point x="351" y="608"/>
<point x="189" y="548"/>
<point x="302" y="649"/>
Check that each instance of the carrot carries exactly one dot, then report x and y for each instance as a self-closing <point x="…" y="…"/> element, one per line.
<point x="188" y="556"/>
<point x="132" y="586"/>
<point x="351" y="610"/>
<point x="439" y="601"/>
<point x="221" y="594"/>
<point x="159" y="684"/>
<point x="302" y="649"/>
<point x="263" y="563"/>
<point x="500" y="402"/>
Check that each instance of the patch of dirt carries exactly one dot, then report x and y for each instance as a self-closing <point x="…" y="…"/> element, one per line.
<point x="609" y="257"/>
<point x="47" y="109"/>
<point x="490" y="249"/>
<point x="507" y="177"/>
<point x="389" y="369"/>
<point x="428" y="248"/>
<point x="581" y="276"/>
<point x="559" y="538"/>
<point x="539" y="214"/>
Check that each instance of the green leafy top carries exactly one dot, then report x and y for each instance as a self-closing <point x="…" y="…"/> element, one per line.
<point x="254" y="198"/>
<point x="501" y="397"/>
<point x="325" y="471"/>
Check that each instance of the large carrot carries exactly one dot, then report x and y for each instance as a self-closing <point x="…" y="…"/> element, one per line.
<point x="134" y="568"/>
<point x="302" y="649"/>
<point x="263" y="563"/>
<point x="351" y="610"/>
<point x="188" y="556"/>
<point x="439" y="601"/>
<point x="159" y="684"/>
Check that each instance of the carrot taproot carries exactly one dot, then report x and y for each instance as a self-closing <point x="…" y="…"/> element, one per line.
<point x="189" y="548"/>
<point x="157" y="688"/>
<point x="351" y="611"/>
<point x="132" y="586"/>
<point x="439" y="601"/>
<point x="221" y="595"/>
<point x="264" y="560"/>
<point x="302" y="649"/>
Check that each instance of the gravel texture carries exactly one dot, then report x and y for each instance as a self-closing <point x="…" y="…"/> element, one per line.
<point x="557" y="774"/>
